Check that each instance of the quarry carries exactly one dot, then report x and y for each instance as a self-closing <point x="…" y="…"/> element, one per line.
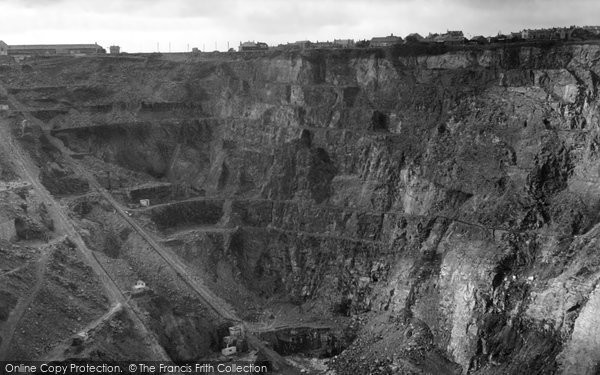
<point x="398" y="210"/>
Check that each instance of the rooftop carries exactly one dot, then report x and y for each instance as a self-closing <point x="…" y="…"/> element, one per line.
<point x="42" y="46"/>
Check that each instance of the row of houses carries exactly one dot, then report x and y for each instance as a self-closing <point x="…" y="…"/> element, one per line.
<point x="562" y="33"/>
<point x="301" y="44"/>
<point x="450" y="37"/>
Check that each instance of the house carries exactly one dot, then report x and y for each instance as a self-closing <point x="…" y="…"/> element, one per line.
<point x="323" y="44"/>
<point x="3" y="48"/>
<point x="114" y="50"/>
<point x="451" y="37"/>
<point x="562" y="33"/>
<point x="139" y="285"/>
<point x="253" y="46"/>
<point x="385" y="41"/>
<point x="54" y="49"/>
<point x="538" y="34"/>
<point x="298" y="45"/>
<point x="343" y="43"/>
<point x="301" y="44"/>
<point x="514" y="36"/>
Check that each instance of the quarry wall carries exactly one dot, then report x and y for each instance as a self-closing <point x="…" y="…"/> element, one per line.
<point x="461" y="186"/>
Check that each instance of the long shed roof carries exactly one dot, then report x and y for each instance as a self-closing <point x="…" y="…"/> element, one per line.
<point x="49" y="46"/>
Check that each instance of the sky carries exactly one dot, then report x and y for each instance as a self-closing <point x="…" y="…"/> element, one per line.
<point x="180" y="25"/>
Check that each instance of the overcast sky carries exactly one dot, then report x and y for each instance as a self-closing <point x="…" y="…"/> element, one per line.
<point x="139" y="25"/>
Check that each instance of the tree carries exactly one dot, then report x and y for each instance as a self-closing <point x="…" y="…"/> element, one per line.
<point x="363" y="44"/>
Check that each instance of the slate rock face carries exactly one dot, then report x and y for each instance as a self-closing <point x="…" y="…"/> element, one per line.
<point x="461" y="187"/>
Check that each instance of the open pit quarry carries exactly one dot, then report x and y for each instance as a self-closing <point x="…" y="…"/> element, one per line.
<point x="407" y="210"/>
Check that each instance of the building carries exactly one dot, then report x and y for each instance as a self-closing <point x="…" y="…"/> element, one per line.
<point x="385" y="41"/>
<point x="323" y="44"/>
<point x="298" y="45"/>
<point x="583" y="33"/>
<point x="432" y="38"/>
<point x="500" y="38"/>
<point x="115" y="50"/>
<point x="139" y="285"/>
<point x="593" y="29"/>
<point x="514" y="36"/>
<point x="547" y="34"/>
<point x="301" y="44"/>
<point x="450" y="37"/>
<point x="3" y="48"/>
<point x="253" y="46"/>
<point x="54" y="49"/>
<point x="343" y="43"/>
<point x="529" y="34"/>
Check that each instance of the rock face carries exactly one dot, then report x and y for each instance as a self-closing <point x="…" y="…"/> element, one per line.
<point x="459" y="187"/>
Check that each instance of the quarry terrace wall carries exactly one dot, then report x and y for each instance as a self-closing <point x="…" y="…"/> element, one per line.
<point x="454" y="187"/>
